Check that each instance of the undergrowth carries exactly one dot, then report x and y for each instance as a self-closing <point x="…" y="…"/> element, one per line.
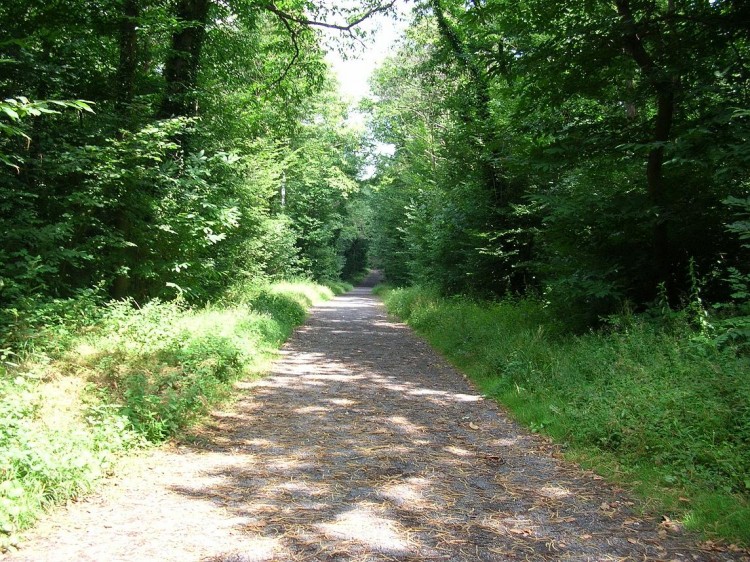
<point x="83" y="395"/>
<point x="654" y="407"/>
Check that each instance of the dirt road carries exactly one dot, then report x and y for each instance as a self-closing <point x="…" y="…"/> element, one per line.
<point x="362" y="444"/>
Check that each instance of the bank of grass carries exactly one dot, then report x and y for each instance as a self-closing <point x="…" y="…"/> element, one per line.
<point x="655" y="409"/>
<point x="134" y="376"/>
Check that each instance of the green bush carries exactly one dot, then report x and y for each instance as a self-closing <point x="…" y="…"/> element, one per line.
<point x="42" y="464"/>
<point x="167" y="364"/>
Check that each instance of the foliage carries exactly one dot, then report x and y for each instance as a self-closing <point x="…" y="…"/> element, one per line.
<point x="50" y="454"/>
<point x="320" y="191"/>
<point x="167" y="363"/>
<point x="733" y="319"/>
<point x="16" y="109"/>
<point x="591" y="155"/>
<point x="580" y="151"/>
<point x="163" y="198"/>
<point x="173" y="187"/>
<point x="671" y="412"/>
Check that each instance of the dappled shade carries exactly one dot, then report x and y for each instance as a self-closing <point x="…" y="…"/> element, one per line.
<point x="362" y="444"/>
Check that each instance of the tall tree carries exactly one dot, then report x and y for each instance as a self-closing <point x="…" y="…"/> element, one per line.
<point x="183" y="61"/>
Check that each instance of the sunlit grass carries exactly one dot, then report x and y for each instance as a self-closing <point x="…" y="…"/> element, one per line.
<point x="138" y="375"/>
<point x="654" y="409"/>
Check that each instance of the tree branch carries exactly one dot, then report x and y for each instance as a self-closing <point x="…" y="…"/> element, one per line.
<point x="287" y="17"/>
<point x="633" y="42"/>
<point x="290" y="64"/>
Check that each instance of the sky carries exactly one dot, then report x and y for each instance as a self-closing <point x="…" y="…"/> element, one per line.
<point x="354" y="73"/>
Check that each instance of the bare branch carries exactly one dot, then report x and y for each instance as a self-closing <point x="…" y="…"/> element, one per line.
<point x="271" y="7"/>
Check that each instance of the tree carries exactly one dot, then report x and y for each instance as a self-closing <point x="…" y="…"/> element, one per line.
<point x="199" y="108"/>
<point x="605" y="127"/>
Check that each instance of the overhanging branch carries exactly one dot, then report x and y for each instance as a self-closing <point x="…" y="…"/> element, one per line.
<point x="287" y="17"/>
<point x="295" y="56"/>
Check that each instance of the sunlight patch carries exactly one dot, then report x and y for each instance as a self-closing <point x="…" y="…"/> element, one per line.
<point x="297" y="488"/>
<point x="363" y="525"/>
<point x="311" y="409"/>
<point x="405" y="425"/>
<point x="409" y="494"/>
<point x="427" y="391"/>
<point x="458" y="451"/>
<point x="260" y="442"/>
<point x="554" y="492"/>
<point x="288" y="464"/>
<point x="505" y="442"/>
<point x="342" y="401"/>
<point x="260" y="549"/>
<point x="331" y="377"/>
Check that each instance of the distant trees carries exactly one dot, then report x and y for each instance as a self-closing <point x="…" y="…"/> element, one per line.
<point x="584" y="151"/>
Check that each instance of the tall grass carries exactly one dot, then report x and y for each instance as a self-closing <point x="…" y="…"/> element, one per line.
<point x="83" y="396"/>
<point x="654" y="408"/>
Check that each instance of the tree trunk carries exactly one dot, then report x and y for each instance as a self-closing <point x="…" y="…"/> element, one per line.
<point x="656" y="188"/>
<point x="123" y="98"/>
<point x="181" y="68"/>
<point x="664" y="87"/>
<point x="128" y="62"/>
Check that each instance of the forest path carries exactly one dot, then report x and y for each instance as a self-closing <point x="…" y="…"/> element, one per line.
<point x="361" y="444"/>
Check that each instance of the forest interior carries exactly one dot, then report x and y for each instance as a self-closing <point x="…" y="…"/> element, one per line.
<point x="557" y="194"/>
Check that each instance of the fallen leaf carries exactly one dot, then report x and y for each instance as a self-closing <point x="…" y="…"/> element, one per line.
<point x="497" y="459"/>
<point x="669" y="525"/>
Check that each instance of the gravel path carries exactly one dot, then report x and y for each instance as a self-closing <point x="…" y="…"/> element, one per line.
<point x="362" y="444"/>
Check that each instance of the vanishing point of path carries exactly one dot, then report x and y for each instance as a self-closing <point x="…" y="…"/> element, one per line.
<point x="362" y="444"/>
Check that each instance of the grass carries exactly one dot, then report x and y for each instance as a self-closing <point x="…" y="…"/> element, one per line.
<point x="135" y="376"/>
<point x="655" y="409"/>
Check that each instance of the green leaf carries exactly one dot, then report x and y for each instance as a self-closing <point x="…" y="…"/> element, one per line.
<point x="10" y="112"/>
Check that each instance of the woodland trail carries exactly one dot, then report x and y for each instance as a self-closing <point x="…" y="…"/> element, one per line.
<point x="361" y="444"/>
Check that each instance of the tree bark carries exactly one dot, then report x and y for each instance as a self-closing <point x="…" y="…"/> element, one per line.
<point x="664" y="87"/>
<point x="128" y="62"/>
<point x="123" y="98"/>
<point x="183" y="61"/>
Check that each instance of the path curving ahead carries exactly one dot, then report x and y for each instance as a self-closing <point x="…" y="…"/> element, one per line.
<point x="362" y="444"/>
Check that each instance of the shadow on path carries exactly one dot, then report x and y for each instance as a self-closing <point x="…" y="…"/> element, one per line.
<point x="362" y="444"/>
